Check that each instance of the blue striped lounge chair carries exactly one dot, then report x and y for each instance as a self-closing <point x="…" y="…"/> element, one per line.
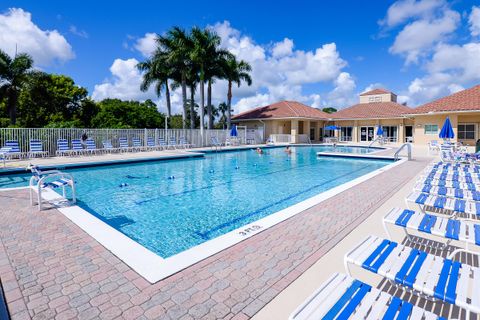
<point x="162" y="143"/>
<point x="11" y="149"/>
<point x="448" y="192"/>
<point x="343" y="297"/>
<point x="172" y="143"/>
<point x="123" y="144"/>
<point x="151" y="144"/>
<point x="137" y="144"/>
<point x="62" y="147"/>
<point x="452" y="170"/>
<point x="36" y="149"/>
<point x="456" y="206"/>
<point x="454" y="176"/>
<point x="108" y="147"/>
<point x="465" y="231"/>
<point x="77" y="147"/>
<point x="449" y="184"/>
<point x="440" y="279"/>
<point x="182" y="142"/>
<point x="454" y="165"/>
<point x="91" y="146"/>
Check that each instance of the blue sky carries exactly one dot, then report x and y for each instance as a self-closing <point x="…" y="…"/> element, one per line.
<point x="320" y="53"/>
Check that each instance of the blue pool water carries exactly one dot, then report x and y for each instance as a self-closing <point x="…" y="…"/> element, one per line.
<point x="208" y="196"/>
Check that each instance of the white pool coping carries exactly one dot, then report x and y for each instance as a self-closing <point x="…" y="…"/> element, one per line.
<point x="154" y="268"/>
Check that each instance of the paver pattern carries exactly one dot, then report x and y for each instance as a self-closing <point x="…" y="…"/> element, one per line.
<point x="51" y="269"/>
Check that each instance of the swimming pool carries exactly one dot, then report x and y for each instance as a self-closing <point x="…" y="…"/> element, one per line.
<point x="171" y="206"/>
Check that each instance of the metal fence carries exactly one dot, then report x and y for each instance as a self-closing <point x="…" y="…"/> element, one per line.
<point x="49" y="136"/>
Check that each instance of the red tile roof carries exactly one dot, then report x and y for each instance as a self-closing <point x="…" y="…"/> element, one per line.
<point x="375" y="91"/>
<point x="372" y="110"/>
<point x="283" y="109"/>
<point x="464" y="100"/>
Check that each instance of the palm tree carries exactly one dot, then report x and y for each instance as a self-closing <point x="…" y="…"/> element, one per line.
<point x="222" y="107"/>
<point x="13" y="74"/>
<point x="235" y="72"/>
<point x="205" y="54"/>
<point x="214" y="69"/>
<point x="156" y="70"/>
<point x="177" y="45"/>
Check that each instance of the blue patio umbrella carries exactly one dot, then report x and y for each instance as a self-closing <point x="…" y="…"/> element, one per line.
<point x="380" y="131"/>
<point x="233" y="131"/>
<point x="447" y="130"/>
<point x="332" y="128"/>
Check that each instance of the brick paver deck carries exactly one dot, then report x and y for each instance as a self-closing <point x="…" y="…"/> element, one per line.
<point x="50" y="268"/>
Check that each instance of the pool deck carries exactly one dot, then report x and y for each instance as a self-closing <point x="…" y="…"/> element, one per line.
<point x="50" y="268"/>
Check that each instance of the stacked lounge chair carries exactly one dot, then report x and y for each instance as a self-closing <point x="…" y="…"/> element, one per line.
<point x="36" y="149"/>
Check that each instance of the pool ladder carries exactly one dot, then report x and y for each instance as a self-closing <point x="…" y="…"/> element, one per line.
<point x="409" y="151"/>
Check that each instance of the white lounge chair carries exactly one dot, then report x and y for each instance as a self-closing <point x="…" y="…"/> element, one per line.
<point x="455" y="193"/>
<point x="77" y="147"/>
<point x="423" y="200"/>
<point x="182" y="142"/>
<point x="449" y="176"/>
<point x="162" y="144"/>
<point x="151" y="144"/>
<point x="36" y="149"/>
<point x="172" y="143"/>
<point x="450" y="184"/>
<point x="51" y="179"/>
<point x="137" y="144"/>
<point x="466" y="232"/>
<point x="11" y="149"/>
<point x="427" y="274"/>
<point x="123" y="142"/>
<point x="91" y="146"/>
<point x="343" y="297"/>
<point x="108" y="147"/>
<point x="63" y="148"/>
<point x="215" y="143"/>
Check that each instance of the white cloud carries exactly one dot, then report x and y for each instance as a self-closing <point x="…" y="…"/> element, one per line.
<point x="401" y="11"/>
<point x="474" y="21"/>
<point x="419" y="37"/>
<point x="45" y="46"/>
<point x="283" y="48"/>
<point x="344" y="93"/>
<point x="146" y="45"/>
<point x="81" y="33"/>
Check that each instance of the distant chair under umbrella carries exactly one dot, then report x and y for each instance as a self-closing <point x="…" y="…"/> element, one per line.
<point x="446" y="149"/>
<point x="233" y="139"/>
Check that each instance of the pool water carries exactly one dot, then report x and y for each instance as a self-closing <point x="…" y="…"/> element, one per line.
<point x="171" y="206"/>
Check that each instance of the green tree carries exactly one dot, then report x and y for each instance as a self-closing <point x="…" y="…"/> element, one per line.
<point x="177" y="45"/>
<point x="235" y="72"/>
<point x="329" y="110"/>
<point x="49" y="99"/>
<point x="13" y="74"/>
<point x="222" y="108"/>
<point x="115" y="113"/>
<point x="157" y="71"/>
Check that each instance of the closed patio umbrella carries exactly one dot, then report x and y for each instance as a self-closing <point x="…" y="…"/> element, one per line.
<point x="447" y="130"/>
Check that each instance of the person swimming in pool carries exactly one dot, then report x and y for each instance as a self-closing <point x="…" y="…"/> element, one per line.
<point x="259" y="151"/>
<point x="288" y="150"/>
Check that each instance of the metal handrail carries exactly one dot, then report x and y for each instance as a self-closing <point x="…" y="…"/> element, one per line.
<point x="409" y="148"/>
<point x="375" y="140"/>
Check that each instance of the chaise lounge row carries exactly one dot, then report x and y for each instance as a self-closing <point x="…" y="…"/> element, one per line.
<point x="427" y="275"/>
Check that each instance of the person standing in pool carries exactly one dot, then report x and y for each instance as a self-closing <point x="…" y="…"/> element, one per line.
<point x="259" y="151"/>
<point x="288" y="150"/>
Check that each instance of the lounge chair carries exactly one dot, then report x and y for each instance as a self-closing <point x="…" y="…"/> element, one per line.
<point x="108" y="147"/>
<point x="36" y="149"/>
<point x="455" y="193"/>
<point x="172" y="143"/>
<point x="449" y="184"/>
<point x="424" y="200"/>
<point x="62" y="147"/>
<point x="433" y="145"/>
<point x="453" y="170"/>
<point x="77" y="147"/>
<point x="430" y="275"/>
<point x="182" y="142"/>
<point x="467" y="232"/>
<point x="454" y="165"/>
<point x="460" y="177"/>
<point x="11" y="149"/>
<point x="91" y="146"/>
<point x="215" y="143"/>
<point x="51" y="179"/>
<point x="343" y="297"/>
<point x="123" y="142"/>
<point x="137" y="144"/>
<point x="162" y="143"/>
<point x="151" y="144"/>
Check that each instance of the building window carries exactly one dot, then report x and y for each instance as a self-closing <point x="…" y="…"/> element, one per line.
<point x="371" y="99"/>
<point x="346" y="134"/>
<point x="391" y="133"/>
<point x="378" y="99"/>
<point x="431" y="128"/>
<point x="466" y="131"/>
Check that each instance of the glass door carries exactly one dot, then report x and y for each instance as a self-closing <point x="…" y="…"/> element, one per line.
<point x="367" y="133"/>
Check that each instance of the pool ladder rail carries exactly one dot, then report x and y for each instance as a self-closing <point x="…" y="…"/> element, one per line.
<point x="409" y="151"/>
<point x="51" y="179"/>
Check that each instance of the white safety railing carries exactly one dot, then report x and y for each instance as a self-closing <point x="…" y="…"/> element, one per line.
<point x="280" y="138"/>
<point x="49" y="136"/>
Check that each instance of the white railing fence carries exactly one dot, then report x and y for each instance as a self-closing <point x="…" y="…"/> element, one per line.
<point x="49" y="136"/>
<point x="280" y="138"/>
